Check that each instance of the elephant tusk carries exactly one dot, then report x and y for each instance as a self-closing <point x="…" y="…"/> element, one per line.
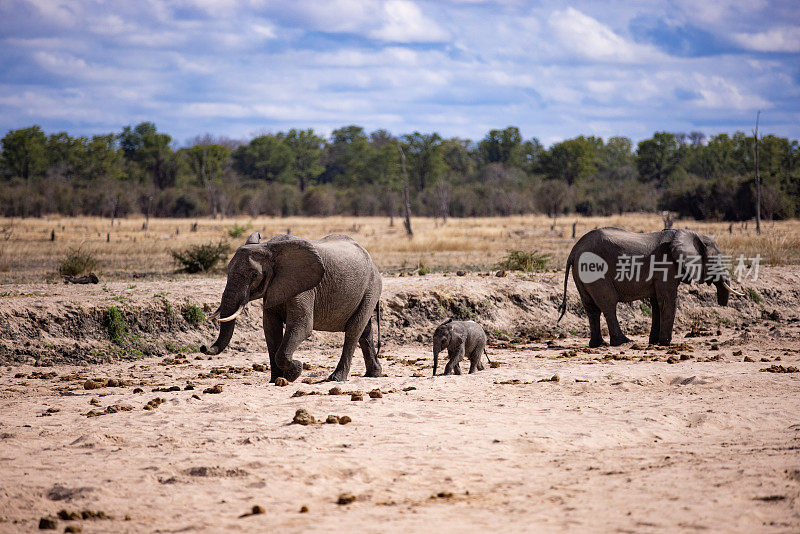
<point x="729" y="288"/>
<point x="234" y="316"/>
<point x="215" y="314"/>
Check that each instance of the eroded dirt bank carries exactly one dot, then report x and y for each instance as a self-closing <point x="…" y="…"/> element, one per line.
<point x="55" y="323"/>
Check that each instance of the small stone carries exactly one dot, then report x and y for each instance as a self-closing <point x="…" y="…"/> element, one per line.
<point x="281" y="382"/>
<point x="672" y="359"/>
<point x="302" y="417"/>
<point x="500" y="274"/>
<point x="356" y="397"/>
<point x="257" y="509"/>
<point x="461" y="273"/>
<point x="737" y="353"/>
<point x="73" y="528"/>
<point x="375" y="394"/>
<point x="346" y="498"/>
<point x="333" y="420"/>
<point x="304" y="509"/>
<point x="343" y="420"/>
<point x="216" y="389"/>
<point x="299" y="393"/>
<point x="409" y="388"/>
<point x="196" y="396"/>
<point x="48" y="523"/>
<point x="259" y="367"/>
<point x="138" y="390"/>
<point x="68" y="516"/>
<point x="335" y="391"/>
<point x="747" y="359"/>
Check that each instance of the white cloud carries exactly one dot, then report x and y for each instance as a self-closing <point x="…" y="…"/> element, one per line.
<point x="785" y="39"/>
<point x="405" y="23"/>
<point x="590" y="39"/>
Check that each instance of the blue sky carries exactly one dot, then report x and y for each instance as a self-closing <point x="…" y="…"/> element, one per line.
<point x="459" y="67"/>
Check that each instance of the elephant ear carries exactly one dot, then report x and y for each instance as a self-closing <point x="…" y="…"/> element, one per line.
<point x="688" y="251"/>
<point x="296" y="266"/>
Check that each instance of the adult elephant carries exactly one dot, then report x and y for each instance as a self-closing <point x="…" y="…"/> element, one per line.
<point x="330" y="285"/>
<point x="611" y="265"/>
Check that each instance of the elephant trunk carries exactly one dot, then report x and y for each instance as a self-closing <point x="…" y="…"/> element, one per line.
<point x="231" y="306"/>
<point x="723" y="292"/>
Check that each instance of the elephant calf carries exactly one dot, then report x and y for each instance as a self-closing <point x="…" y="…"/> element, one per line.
<point x="459" y="338"/>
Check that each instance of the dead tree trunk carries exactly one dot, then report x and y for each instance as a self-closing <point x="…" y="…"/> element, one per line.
<point x="406" y="195"/>
<point x="758" y="178"/>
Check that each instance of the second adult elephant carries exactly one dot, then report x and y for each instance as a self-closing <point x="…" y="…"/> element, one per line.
<point x="610" y="265"/>
<point x="331" y="284"/>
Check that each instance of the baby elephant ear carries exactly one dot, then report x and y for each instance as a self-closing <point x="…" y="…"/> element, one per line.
<point x="254" y="239"/>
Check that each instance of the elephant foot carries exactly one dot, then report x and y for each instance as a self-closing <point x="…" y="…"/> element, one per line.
<point x="664" y="342"/>
<point x="617" y="341"/>
<point x="594" y="343"/>
<point x="292" y="371"/>
<point x="337" y="376"/>
<point x="375" y="372"/>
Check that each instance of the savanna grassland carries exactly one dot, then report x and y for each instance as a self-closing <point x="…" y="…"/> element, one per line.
<point x="112" y="421"/>
<point x="125" y="248"/>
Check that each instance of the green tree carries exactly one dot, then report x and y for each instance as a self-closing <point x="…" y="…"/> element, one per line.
<point x="266" y="158"/>
<point x="573" y="160"/>
<point x="151" y="151"/>
<point x="306" y="148"/>
<point x="425" y="160"/>
<point x="346" y="156"/>
<point x="658" y="158"/>
<point x="502" y="146"/>
<point x="24" y="153"/>
<point x="208" y="162"/>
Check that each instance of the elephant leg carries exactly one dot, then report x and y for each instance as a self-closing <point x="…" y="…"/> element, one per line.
<point x="667" y="302"/>
<point x="655" y="324"/>
<point x="453" y="365"/>
<point x="354" y="330"/>
<point x="368" y="350"/>
<point x="614" y="331"/>
<point x="299" y="323"/>
<point x="593" y="312"/>
<point x="273" y="332"/>
<point x="474" y="361"/>
<point x="479" y="358"/>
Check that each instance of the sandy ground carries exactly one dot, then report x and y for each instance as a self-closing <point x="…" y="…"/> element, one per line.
<point x="623" y="442"/>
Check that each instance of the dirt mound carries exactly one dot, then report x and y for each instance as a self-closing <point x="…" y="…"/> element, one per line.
<point x="49" y="323"/>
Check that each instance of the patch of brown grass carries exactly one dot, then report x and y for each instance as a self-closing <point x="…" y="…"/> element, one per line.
<point x="479" y="243"/>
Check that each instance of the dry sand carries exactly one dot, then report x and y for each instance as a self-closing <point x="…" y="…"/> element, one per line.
<point x="623" y="442"/>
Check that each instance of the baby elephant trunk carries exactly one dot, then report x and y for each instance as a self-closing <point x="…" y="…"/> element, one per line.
<point x="437" y="348"/>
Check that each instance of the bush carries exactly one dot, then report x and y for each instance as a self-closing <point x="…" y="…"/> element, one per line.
<point x="520" y="260"/>
<point x="116" y="325"/>
<point x="77" y="262"/>
<point x="193" y="314"/>
<point x="200" y="258"/>
<point x="237" y="231"/>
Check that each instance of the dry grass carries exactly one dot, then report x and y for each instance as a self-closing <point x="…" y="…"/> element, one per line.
<point x="29" y="255"/>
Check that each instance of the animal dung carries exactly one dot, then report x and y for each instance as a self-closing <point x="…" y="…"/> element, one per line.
<point x="332" y="420"/>
<point x="154" y="403"/>
<point x="346" y="498"/>
<point x="356" y="397"/>
<point x="259" y="367"/>
<point x="375" y="394"/>
<point x="281" y="382"/>
<point x="216" y="389"/>
<point x="336" y="390"/>
<point x="48" y="523"/>
<point x="302" y="417"/>
<point x="304" y="509"/>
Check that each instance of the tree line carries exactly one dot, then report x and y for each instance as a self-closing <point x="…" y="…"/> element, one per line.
<point x="353" y="172"/>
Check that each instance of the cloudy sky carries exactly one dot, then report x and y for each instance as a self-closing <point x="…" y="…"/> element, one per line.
<point x="459" y="67"/>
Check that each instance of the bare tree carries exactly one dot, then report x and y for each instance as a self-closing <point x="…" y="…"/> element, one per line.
<point x="406" y="195"/>
<point x="443" y="199"/>
<point x="758" y="177"/>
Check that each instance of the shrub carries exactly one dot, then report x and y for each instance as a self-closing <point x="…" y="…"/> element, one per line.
<point x="520" y="260"/>
<point x="116" y="325"/>
<point x="237" y="231"/>
<point x="77" y="262"/>
<point x="754" y="296"/>
<point x="423" y="269"/>
<point x="646" y="309"/>
<point x="199" y="258"/>
<point x="193" y="314"/>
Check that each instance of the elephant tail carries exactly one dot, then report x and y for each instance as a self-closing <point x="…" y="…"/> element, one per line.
<point x="378" y="320"/>
<point x="563" y="306"/>
<point x="487" y="355"/>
